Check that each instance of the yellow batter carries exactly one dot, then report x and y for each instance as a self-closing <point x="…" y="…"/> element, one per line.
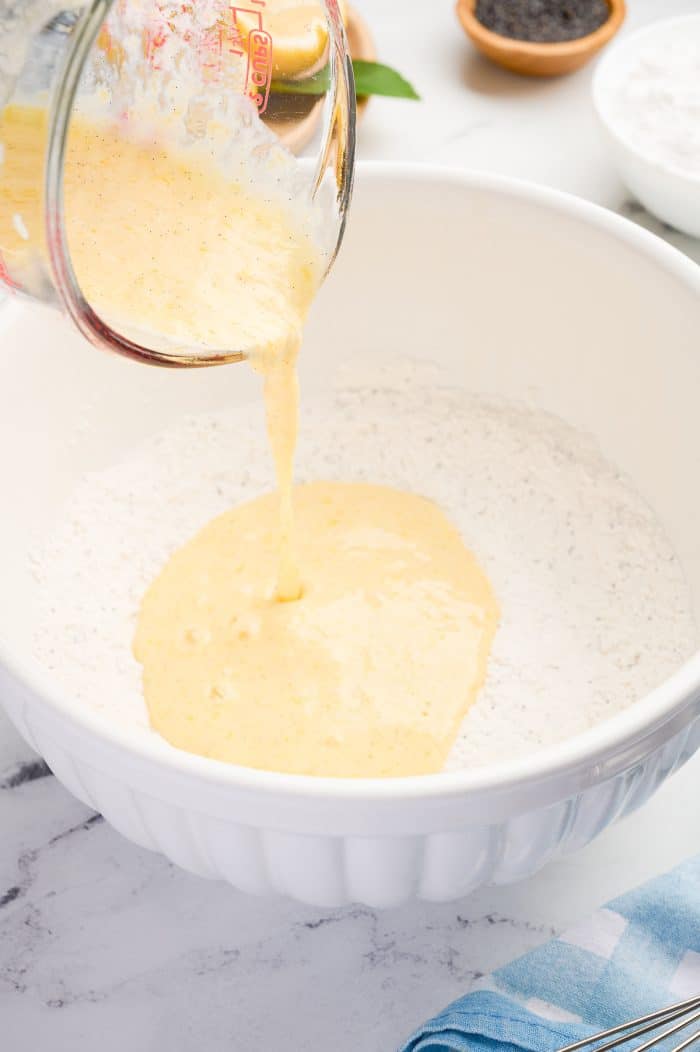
<point x="343" y="633"/>
<point x="162" y="243"/>
<point x="369" y="673"/>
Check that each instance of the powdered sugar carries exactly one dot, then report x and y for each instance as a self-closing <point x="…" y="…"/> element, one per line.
<point x="656" y="102"/>
<point x="595" y="609"/>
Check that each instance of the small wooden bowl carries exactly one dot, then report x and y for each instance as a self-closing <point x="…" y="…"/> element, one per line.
<point x="295" y="118"/>
<point x="539" y="60"/>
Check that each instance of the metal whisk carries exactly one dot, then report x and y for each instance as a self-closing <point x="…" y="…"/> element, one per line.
<point x="687" y="1012"/>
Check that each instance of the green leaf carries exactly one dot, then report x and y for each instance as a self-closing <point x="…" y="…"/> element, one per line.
<point x="374" y="78"/>
<point x="371" y="78"/>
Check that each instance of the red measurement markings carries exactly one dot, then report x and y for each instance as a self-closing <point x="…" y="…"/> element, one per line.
<point x="256" y="47"/>
<point x="5" y="276"/>
<point x="237" y="44"/>
<point x="259" y="67"/>
<point x="156" y="37"/>
<point x="258" y="75"/>
<point x="213" y="47"/>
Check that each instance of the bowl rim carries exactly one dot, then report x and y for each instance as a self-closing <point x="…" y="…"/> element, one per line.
<point x="673" y="698"/>
<point x="591" y="42"/>
<point x="602" y="97"/>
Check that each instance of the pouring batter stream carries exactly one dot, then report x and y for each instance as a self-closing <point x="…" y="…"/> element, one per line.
<point x="338" y="629"/>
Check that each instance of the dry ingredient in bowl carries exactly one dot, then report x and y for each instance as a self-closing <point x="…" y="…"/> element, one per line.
<point x="656" y="101"/>
<point x="543" y="21"/>
<point x="595" y="610"/>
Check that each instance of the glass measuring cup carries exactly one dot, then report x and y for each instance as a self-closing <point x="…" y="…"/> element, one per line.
<point x="204" y="75"/>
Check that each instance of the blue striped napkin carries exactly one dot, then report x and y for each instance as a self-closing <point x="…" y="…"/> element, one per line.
<point x="639" y="953"/>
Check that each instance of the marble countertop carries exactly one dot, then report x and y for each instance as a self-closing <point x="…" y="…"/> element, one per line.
<point x="105" y="946"/>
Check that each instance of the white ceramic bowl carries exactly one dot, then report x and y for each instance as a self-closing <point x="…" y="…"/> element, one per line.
<point x="517" y="291"/>
<point x="668" y="192"/>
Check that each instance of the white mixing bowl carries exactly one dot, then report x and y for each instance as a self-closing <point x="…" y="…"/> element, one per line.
<point x="516" y="291"/>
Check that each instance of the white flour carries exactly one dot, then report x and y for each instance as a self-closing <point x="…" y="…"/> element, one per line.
<point x="656" y="105"/>
<point x="595" y="610"/>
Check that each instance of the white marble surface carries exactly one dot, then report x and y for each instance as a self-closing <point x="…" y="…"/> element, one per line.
<point x="106" y="946"/>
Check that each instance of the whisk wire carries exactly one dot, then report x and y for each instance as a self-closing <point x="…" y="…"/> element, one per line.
<point x="688" y="1042"/>
<point x="634" y="1028"/>
<point x="669" y="1033"/>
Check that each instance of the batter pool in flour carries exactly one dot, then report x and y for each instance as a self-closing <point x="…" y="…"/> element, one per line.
<point x="595" y="609"/>
<point x="369" y="673"/>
